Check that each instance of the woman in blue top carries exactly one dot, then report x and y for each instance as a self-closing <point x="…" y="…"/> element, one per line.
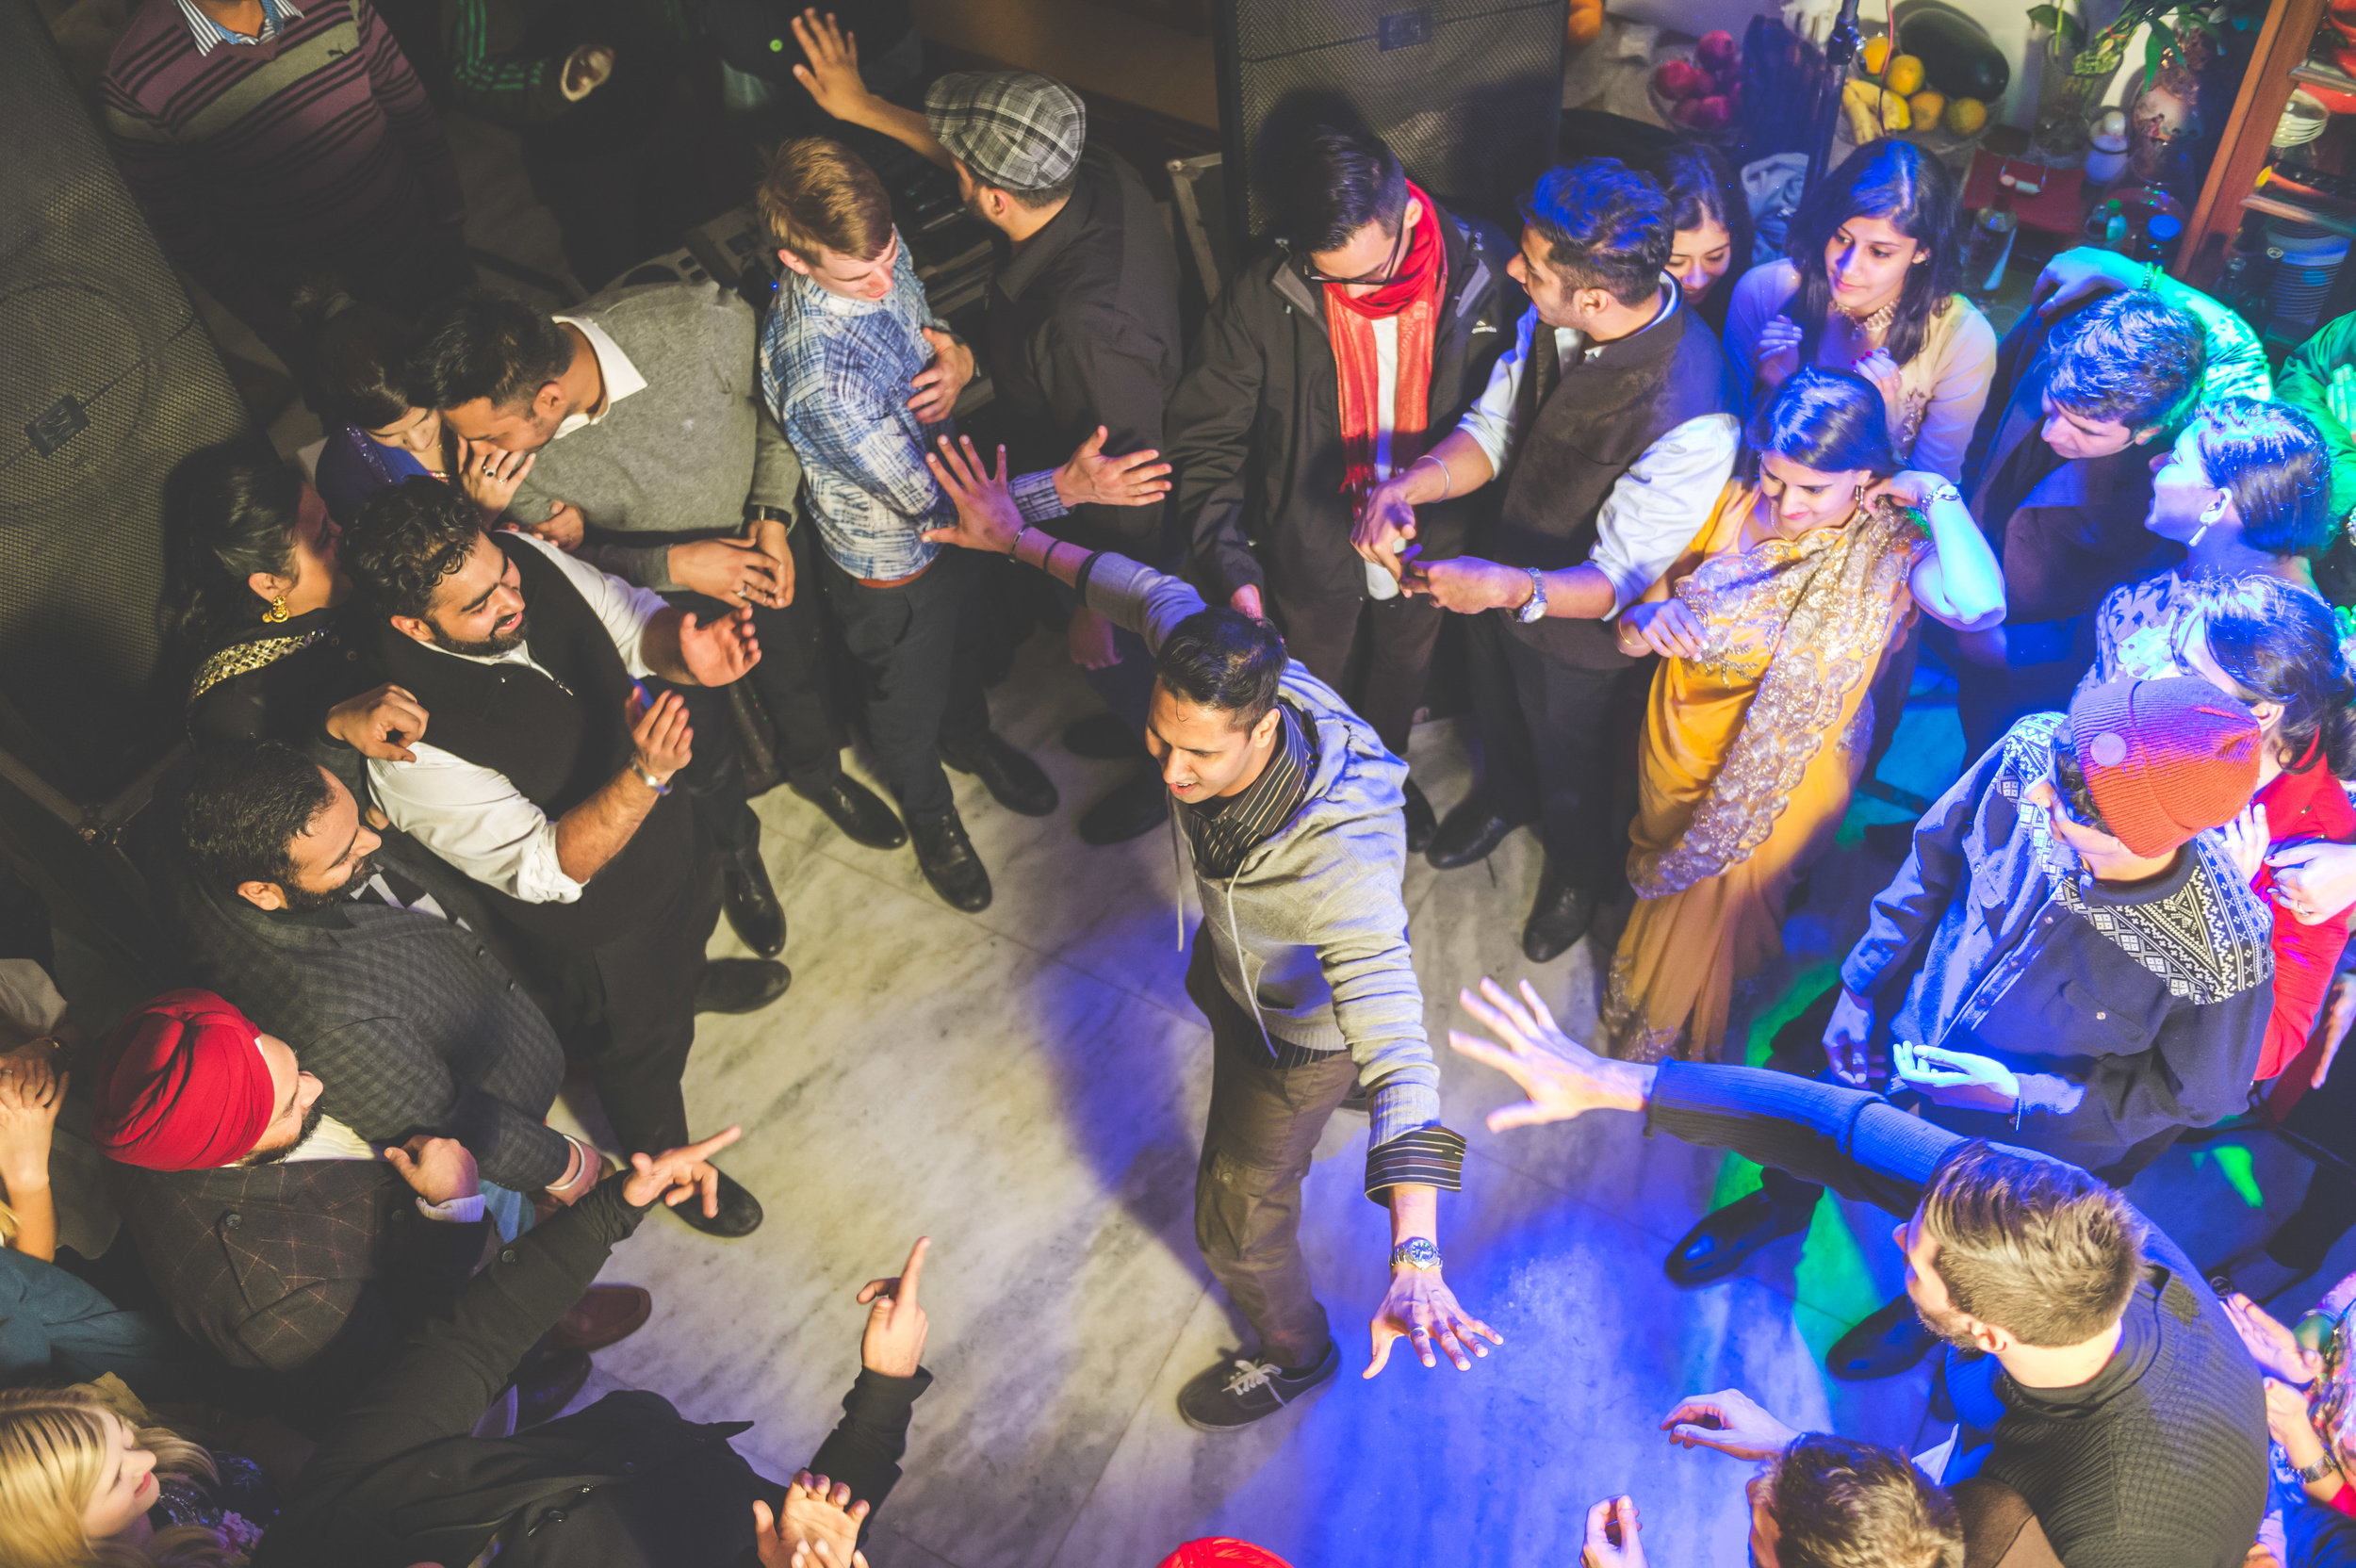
<point x="376" y="436"/>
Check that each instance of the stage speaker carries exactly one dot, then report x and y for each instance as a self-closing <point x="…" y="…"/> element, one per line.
<point x="1467" y="92"/>
<point x="108" y="379"/>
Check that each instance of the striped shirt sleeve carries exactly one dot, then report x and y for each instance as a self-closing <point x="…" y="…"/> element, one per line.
<point x="490" y="75"/>
<point x="1425" y="1156"/>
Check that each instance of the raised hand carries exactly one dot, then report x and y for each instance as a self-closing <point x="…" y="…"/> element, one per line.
<point x="2274" y="1348"/>
<point x="1088" y="477"/>
<point x="1612" y="1540"/>
<point x="1729" y="1421"/>
<point x="819" y="1523"/>
<point x="894" y="1345"/>
<point x="436" y="1169"/>
<point x="491" y="477"/>
<point x="1562" y="1078"/>
<point x="719" y="651"/>
<point x="1778" y="352"/>
<point x="1420" y="1309"/>
<point x="678" y="1174"/>
<point x="376" y="723"/>
<point x="31" y="1090"/>
<point x="987" y="519"/>
<point x="2078" y="274"/>
<point x="938" y="384"/>
<point x="832" y="74"/>
<point x="660" y="730"/>
<point x="737" y="572"/>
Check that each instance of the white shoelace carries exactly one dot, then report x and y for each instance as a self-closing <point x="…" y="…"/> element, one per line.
<point x="1251" y="1375"/>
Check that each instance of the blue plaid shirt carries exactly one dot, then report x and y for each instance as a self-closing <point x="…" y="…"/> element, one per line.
<point x="207" y="32"/>
<point x="835" y="373"/>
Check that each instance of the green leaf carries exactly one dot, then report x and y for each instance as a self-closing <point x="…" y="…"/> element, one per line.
<point x="2045" y="16"/>
<point x="2155" y="52"/>
<point x="2074" y="29"/>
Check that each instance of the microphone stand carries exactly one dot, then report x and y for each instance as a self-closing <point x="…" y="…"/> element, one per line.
<point x="1840" y="50"/>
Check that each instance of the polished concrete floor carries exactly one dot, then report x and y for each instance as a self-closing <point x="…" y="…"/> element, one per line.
<point x="1028" y="1086"/>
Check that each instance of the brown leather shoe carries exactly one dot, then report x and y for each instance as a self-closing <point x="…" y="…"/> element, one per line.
<point x="605" y="1315"/>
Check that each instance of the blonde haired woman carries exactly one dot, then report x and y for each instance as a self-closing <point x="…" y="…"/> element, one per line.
<point x="83" y="1485"/>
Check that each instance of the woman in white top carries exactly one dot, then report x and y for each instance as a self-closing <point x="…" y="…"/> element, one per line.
<point x="1869" y="285"/>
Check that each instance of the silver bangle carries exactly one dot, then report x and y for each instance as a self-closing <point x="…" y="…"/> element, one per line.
<point x="1448" y="481"/>
<point x="1014" y="550"/>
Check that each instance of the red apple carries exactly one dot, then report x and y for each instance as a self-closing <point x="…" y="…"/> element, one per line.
<point x="1679" y="79"/>
<point x="1711" y="113"/>
<point x="1716" y="49"/>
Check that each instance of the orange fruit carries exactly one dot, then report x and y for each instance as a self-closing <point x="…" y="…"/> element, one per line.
<point x="1586" y="24"/>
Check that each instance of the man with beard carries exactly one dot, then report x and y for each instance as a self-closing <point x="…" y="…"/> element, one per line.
<point x="276" y="1234"/>
<point x="548" y="782"/>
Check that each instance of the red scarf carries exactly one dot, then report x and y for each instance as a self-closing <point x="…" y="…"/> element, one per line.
<point x="1414" y="297"/>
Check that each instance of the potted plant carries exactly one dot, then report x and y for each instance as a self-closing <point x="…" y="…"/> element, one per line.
<point x="2078" y="70"/>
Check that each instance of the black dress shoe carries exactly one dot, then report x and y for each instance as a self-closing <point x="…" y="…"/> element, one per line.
<point x="1716" y="1247"/>
<point x="1561" y="916"/>
<point x="1236" y="1394"/>
<point x="1467" y="833"/>
<point x="1137" y="806"/>
<point x="1102" y="738"/>
<point x="738" y="1216"/>
<point x="857" y="809"/>
<point x="1014" y="780"/>
<point x="1888" y="1342"/>
<point x="947" y="858"/>
<point x="1421" y="823"/>
<point x="740" y="985"/>
<point x="546" y="1384"/>
<point x="754" y="913"/>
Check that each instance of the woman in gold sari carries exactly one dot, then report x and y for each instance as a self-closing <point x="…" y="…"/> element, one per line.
<point x="1771" y="628"/>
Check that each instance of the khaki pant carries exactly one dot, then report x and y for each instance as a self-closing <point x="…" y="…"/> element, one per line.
<point x="1262" y="1128"/>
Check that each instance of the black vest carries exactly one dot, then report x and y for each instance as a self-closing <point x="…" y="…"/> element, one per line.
<point x="557" y="741"/>
<point x="1577" y="429"/>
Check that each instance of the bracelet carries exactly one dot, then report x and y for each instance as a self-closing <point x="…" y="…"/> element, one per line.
<point x="2316" y="1471"/>
<point x="581" y="1152"/>
<point x="1080" y="578"/>
<point x="650" y="780"/>
<point x="1015" y="549"/>
<point x="1448" y="481"/>
<point x="2151" y="277"/>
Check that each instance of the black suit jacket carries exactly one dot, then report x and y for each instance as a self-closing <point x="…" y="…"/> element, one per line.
<point x="627" y="1483"/>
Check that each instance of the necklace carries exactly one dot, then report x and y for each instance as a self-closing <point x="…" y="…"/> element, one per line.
<point x="1871" y="321"/>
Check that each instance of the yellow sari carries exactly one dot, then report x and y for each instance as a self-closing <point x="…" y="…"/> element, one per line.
<point x="1751" y="752"/>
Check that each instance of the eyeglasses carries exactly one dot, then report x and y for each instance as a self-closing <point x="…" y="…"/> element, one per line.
<point x="1382" y="277"/>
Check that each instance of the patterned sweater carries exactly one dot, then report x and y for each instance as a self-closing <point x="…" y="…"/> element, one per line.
<point x="2125" y="1008"/>
<point x="259" y="163"/>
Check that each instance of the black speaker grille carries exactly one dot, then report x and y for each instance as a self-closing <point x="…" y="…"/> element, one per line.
<point x="108" y="379"/>
<point x="1467" y="92"/>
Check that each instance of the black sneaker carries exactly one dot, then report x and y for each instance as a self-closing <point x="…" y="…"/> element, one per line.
<point x="1236" y="1394"/>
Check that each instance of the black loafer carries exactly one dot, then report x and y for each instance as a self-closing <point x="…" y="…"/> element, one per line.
<point x="1558" y="919"/>
<point x="1236" y="1394"/>
<point x="753" y="910"/>
<point x="946" y="857"/>
<point x="1135" y="807"/>
<point x="546" y="1384"/>
<point x="1013" y="780"/>
<point x="740" y="985"/>
<point x="1716" y="1246"/>
<point x="738" y="1216"/>
<point x="1102" y="738"/>
<point x="1422" y="824"/>
<point x="1467" y="835"/>
<point x="857" y="809"/>
<point x="1888" y="1342"/>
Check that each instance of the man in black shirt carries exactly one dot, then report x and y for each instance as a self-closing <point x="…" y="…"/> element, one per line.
<point x="2092" y="1370"/>
<point x="1083" y="332"/>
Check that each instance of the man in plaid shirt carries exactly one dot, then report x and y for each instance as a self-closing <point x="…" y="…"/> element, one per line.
<point x="861" y="379"/>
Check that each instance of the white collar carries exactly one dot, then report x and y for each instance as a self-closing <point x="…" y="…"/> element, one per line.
<point x="620" y="376"/>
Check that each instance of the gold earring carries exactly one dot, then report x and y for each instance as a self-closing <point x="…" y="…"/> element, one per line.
<point x="277" y="611"/>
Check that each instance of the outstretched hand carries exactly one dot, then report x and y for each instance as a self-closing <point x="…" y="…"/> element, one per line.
<point x="819" y="1524"/>
<point x="1088" y="477"/>
<point x="1420" y="1309"/>
<point x="1729" y="1421"/>
<point x="678" y="1174"/>
<point x="832" y="74"/>
<point x="721" y="651"/>
<point x="987" y="519"/>
<point x="1562" y="1078"/>
<point x="2273" y="1346"/>
<point x="894" y="1345"/>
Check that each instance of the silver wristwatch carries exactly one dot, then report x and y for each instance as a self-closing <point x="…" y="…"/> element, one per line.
<point x="1416" y="1254"/>
<point x="1536" y="609"/>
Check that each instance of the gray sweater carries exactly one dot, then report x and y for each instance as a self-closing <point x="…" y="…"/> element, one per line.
<point x="680" y="459"/>
<point x="1310" y="935"/>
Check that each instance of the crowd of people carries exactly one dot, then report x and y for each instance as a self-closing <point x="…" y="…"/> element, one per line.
<point x="468" y="796"/>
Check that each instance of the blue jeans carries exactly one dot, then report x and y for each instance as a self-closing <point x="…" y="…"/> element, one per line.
<point x="51" y="1322"/>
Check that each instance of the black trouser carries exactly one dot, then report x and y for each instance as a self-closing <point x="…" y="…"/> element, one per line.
<point x="1560" y="748"/>
<point x="923" y="690"/>
<point x="1374" y="652"/>
<point x="626" y="1007"/>
<point x="1263" y="1130"/>
<point x="2326" y="1116"/>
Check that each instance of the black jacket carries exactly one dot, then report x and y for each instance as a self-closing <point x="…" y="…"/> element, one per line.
<point x="1255" y="429"/>
<point x="627" y="1483"/>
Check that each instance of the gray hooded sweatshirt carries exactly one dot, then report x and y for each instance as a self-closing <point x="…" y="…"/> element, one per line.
<point x="1310" y="935"/>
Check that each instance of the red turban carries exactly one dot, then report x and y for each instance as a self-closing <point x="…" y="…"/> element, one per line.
<point x="182" y="1086"/>
<point x="1212" y="1552"/>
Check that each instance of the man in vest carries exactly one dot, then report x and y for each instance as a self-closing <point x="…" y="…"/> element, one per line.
<point x="1321" y="372"/>
<point x="548" y="781"/>
<point x="1607" y="420"/>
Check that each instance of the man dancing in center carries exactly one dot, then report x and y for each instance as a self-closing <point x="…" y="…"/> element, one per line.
<point x="1293" y="815"/>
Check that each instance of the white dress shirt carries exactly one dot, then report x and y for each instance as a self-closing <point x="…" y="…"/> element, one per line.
<point x="620" y="376"/>
<point x="1654" y="509"/>
<point x="474" y="817"/>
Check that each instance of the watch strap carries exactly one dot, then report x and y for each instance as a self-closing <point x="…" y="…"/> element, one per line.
<point x="1536" y="608"/>
<point x="2320" y="1468"/>
<point x="1417" y="1252"/>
